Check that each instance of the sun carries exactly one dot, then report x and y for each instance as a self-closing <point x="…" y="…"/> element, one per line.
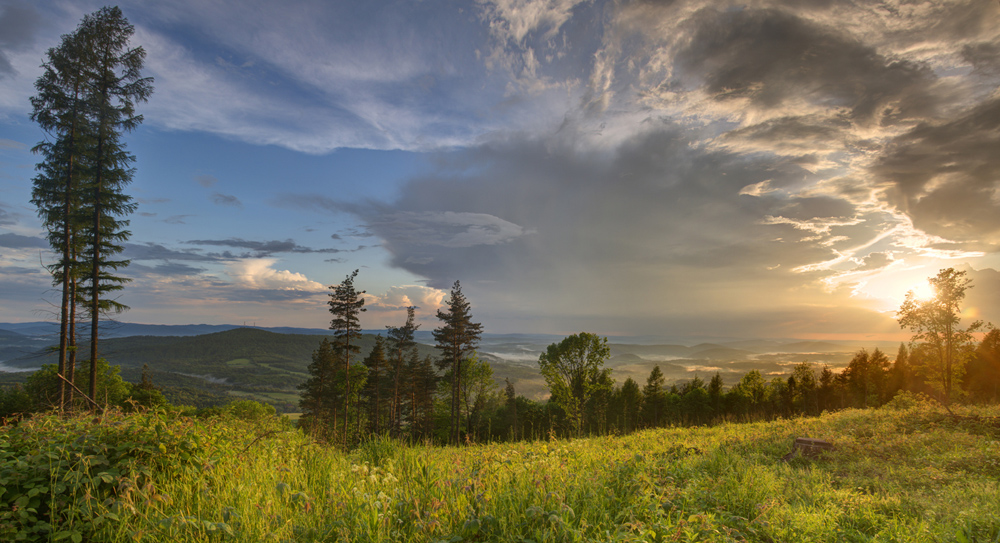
<point x="922" y="291"/>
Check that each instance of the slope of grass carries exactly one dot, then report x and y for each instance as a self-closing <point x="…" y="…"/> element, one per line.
<point x="910" y="473"/>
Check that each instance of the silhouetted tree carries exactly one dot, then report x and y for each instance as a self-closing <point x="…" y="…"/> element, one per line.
<point x="982" y="378"/>
<point x="943" y="344"/>
<point x="654" y="398"/>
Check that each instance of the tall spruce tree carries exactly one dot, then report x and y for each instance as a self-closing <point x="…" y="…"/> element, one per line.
<point x="317" y="391"/>
<point x="375" y="385"/>
<point x="402" y="347"/>
<point x="86" y="99"/>
<point x="115" y="86"/>
<point x="346" y="305"/>
<point x="59" y="110"/>
<point x="457" y="338"/>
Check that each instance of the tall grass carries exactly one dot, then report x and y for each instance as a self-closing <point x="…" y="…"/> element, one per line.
<point x="908" y="474"/>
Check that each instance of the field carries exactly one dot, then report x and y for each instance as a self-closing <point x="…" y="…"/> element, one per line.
<point x="906" y="472"/>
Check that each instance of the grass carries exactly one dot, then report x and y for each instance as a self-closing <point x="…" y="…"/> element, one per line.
<point x="911" y="474"/>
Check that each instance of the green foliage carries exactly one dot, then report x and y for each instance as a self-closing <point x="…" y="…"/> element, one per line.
<point x="913" y="474"/>
<point x="574" y="371"/>
<point x="942" y="346"/>
<point x="457" y="337"/>
<point x="250" y="410"/>
<point x="77" y="478"/>
<point x="43" y="387"/>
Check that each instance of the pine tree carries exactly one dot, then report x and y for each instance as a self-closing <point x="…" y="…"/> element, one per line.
<point x="317" y="391"/>
<point x="457" y="338"/>
<point x="401" y="348"/>
<point x="654" y="399"/>
<point x="375" y="384"/>
<point x="60" y="111"/>
<point x="422" y="384"/>
<point x="86" y="99"/>
<point x="346" y="305"/>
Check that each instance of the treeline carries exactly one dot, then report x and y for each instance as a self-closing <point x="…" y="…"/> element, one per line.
<point x="392" y="391"/>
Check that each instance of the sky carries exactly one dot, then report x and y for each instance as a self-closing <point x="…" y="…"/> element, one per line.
<point x="762" y="168"/>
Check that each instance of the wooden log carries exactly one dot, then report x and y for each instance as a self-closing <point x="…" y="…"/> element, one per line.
<point x="811" y="446"/>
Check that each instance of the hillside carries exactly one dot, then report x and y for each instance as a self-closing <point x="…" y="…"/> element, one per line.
<point x="268" y="365"/>
<point x="246" y="362"/>
<point x="908" y="473"/>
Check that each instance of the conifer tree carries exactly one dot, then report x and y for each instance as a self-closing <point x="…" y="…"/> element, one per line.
<point x="374" y="384"/>
<point x="654" y="399"/>
<point x="317" y="390"/>
<point x="457" y="338"/>
<point x="346" y="305"/>
<point x="401" y="348"/>
<point x="422" y="384"/>
<point x="59" y="110"/>
<point x="86" y="99"/>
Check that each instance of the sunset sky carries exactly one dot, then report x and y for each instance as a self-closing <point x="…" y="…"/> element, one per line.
<point x="781" y="168"/>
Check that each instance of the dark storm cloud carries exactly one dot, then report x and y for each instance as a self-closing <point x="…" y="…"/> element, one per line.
<point x="18" y="23"/>
<point x="17" y="241"/>
<point x="793" y="134"/>
<point x="656" y="219"/>
<point x="770" y="57"/>
<point x="262" y="248"/>
<point x="226" y="200"/>
<point x="984" y="57"/>
<point x="946" y="176"/>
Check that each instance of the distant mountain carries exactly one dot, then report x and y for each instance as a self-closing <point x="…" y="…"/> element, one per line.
<point x="128" y="329"/>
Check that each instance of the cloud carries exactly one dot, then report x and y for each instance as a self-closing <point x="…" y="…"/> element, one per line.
<point x="226" y="200"/>
<point x="426" y="299"/>
<point x="875" y="261"/>
<point x="155" y="251"/>
<point x="18" y="24"/>
<point x="17" y="241"/>
<point x="176" y="219"/>
<point x="259" y="274"/>
<point x="11" y="144"/>
<point x="945" y="176"/>
<point x="206" y="180"/>
<point x="445" y="229"/>
<point x="265" y="248"/>
<point x="166" y="269"/>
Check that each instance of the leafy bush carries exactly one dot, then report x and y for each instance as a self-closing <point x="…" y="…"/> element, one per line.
<point x="249" y="410"/>
<point x="72" y="477"/>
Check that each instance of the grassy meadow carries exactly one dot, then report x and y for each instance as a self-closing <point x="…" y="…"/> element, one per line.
<point x="906" y="472"/>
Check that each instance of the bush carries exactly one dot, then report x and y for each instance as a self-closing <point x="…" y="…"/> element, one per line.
<point x="904" y="399"/>
<point x="249" y="410"/>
